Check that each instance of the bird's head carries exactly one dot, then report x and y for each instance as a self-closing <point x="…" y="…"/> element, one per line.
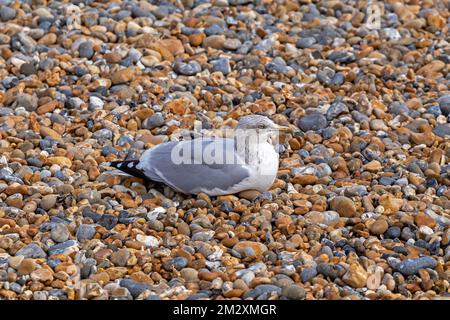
<point x="259" y="125"/>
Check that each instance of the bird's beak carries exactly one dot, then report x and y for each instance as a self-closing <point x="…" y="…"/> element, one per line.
<point x="284" y="129"/>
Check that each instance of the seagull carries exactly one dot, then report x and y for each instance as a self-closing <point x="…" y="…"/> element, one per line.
<point x="212" y="165"/>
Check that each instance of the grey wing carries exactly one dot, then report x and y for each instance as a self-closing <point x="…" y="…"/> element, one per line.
<point x="195" y="165"/>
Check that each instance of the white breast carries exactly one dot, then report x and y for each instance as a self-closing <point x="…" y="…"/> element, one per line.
<point x="263" y="170"/>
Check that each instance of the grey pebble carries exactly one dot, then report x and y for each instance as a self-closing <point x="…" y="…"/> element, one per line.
<point x="86" y="49"/>
<point x="156" y="120"/>
<point x="27" y="101"/>
<point x="85" y="232"/>
<point x="31" y="251"/>
<point x="412" y="266"/>
<point x="314" y="121"/>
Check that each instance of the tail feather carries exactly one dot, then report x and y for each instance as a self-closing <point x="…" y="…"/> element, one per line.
<point x="129" y="167"/>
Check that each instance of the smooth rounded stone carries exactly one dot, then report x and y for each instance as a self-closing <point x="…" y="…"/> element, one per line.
<point x="187" y="69"/>
<point x="412" y="266"/>
<point x="28" y="69"/>
<point x="31" y="250"/>
<point x="57" y="118"/>
<point x="46" y="64"/>
<point x="398" y="108"/>
<point x="27" y="101"/>
<point x="85" y="232"/>
<point x="442" y="130"/>
<point x="7" y="13"/>
<point x="359" y="117"/>
<point x="387" y="181"/>
<point x="330" y="217"/>
<point x="95" y="103"/>
<point x="221" y="65"/>
<point x="214" y="41"/>
<point x="314" y="121"/>
<point x="232" y="44"/>
<point x="48" y="201"/>
<point x="379" y="227"/>
<point x="332" y="271"/>
<point x="17" y="288"/>
<point x="342" y="56"/>
<point x="344" y="206"/>
<point x="155" y="121"/>
<point x="407" y="234"/>
<point x="6" y="112"/>
<point x="203" y="236"/>
<point x="355" y="191"/>
<point x="444" y="104"/>
<point x="250" y="249"/>
<point x="60" y="233"/>
<point x="73" y="103"/>
<point x="294" y="292"/>
<point x="149" y="241"/>
<point x="390" y="34"/>
<point x="308" y="274"/>
<point x="189" y="274"/>
<point x="337" y="80"/>
<point x="134" y="287"/>
<point x="335" y="110"/>
<point x="262" y="289"/>
<point x="179" y="262"/>
<point x="392" y="233"/>
<point x="40" y="295"/>
<point x="307" y="42"/>
<point x="159" y="226"/>
<point x="213" y="30"/>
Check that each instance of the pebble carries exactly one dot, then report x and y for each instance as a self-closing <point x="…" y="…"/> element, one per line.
<point x="85" y="232"/>
<point x="31" y="250"/>
<point x="48" y="202"/>
<point x="308" y="274"/>
<point x="392" y="233"/>
<point x="344" y="206"/>
<point x="294" y="292"/>
<point x="313" y="122"/>
<point x="444" y="104"/>
<point x="27" y="101"/>
<point x="95" y="103"/>
<point x="412" y="266"/>
<point x="221" y="65"/>
<point x="379" y="227"/>
<point x="108" y="221"/>
<point x="60" y="233"/>
<point x="86" y="50"/>
<point x="156" y="120"/>
<point x="7" y="13"/>
<point x="120" y="257"/>
<point x="134" y="287"/>
<point x="188" y="69"/>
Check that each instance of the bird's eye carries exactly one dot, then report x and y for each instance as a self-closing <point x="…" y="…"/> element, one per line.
<point x="261" y="126"/>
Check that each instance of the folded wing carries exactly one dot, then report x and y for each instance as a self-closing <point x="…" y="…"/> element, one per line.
<point x="194" y="166"/>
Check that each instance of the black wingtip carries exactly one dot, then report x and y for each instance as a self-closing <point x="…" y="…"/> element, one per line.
<point x="130" y="167"/>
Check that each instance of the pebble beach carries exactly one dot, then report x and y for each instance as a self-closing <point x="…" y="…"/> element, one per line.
<point x="360" y="208"/>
